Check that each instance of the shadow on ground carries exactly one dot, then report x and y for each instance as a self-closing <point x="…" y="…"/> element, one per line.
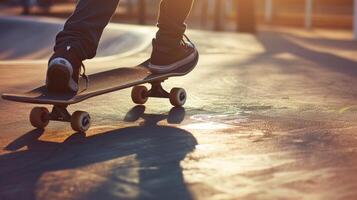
<point x="135" y="162"/>
<point x="274" y="45"/>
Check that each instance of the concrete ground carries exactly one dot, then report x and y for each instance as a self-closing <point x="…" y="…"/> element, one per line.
<point x="268" y="116"/>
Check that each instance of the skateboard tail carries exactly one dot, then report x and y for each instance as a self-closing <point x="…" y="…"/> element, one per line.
<point x="31" y="100"/>
<point x="14" y="97"/>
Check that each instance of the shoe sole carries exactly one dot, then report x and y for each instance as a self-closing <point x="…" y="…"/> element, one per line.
<point x="162" y="69"/>
<point x="58" y="79"/>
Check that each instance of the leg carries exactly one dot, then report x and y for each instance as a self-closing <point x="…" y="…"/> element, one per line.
<point x="76" y="42"/>
<point x="170" y="52"/>
<point x="171" y="21"/>
<point x="84" y="28"/>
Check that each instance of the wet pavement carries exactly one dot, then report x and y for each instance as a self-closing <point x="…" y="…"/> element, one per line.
<point x="268" y="116"/>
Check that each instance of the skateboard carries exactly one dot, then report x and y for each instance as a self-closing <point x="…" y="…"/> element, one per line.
<point x="99" y="84"/>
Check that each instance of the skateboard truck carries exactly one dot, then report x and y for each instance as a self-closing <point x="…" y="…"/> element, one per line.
<point x="140" y="94"/>
<point x="60" y="113"/>
<point x="40" y="117"/>
<point x="157" y="90"/>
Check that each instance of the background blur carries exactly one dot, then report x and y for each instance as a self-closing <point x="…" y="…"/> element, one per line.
<point x="270" y="115"/>
<point x="213" y="14"/>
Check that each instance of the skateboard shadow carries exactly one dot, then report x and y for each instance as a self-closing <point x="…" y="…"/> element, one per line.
<point x="137" y="162"/>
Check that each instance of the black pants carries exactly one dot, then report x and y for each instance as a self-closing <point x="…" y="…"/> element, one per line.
<point x="84" y="28"/>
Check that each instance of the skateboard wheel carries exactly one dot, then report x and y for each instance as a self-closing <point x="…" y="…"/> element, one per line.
<point x="139" y="94"/>
<point x="39" y="117"/>
<point x="177" y="97"/>
<point x="80" y="121"/>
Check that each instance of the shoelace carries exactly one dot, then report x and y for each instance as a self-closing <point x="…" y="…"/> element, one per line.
<point x="84" y="76"/>
<point x="188" y="40"/>
<point x="81" y="74"/>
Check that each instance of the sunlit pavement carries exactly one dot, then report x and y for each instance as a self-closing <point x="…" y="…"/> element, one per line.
<point x="271" y="116"/>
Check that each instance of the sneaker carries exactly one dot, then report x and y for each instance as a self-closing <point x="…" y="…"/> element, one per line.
<point x="164" y="61"/>
<point x="63" y="72"/>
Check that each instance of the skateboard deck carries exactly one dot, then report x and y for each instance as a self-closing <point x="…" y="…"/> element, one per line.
<point x="99" y="83"/>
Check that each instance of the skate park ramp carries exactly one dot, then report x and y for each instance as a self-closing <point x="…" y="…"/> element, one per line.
<point x="33" y="38"/>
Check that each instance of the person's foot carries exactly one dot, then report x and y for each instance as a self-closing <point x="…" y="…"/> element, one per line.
<point x="63" y="72"/>
<point x="164" y="60"/>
